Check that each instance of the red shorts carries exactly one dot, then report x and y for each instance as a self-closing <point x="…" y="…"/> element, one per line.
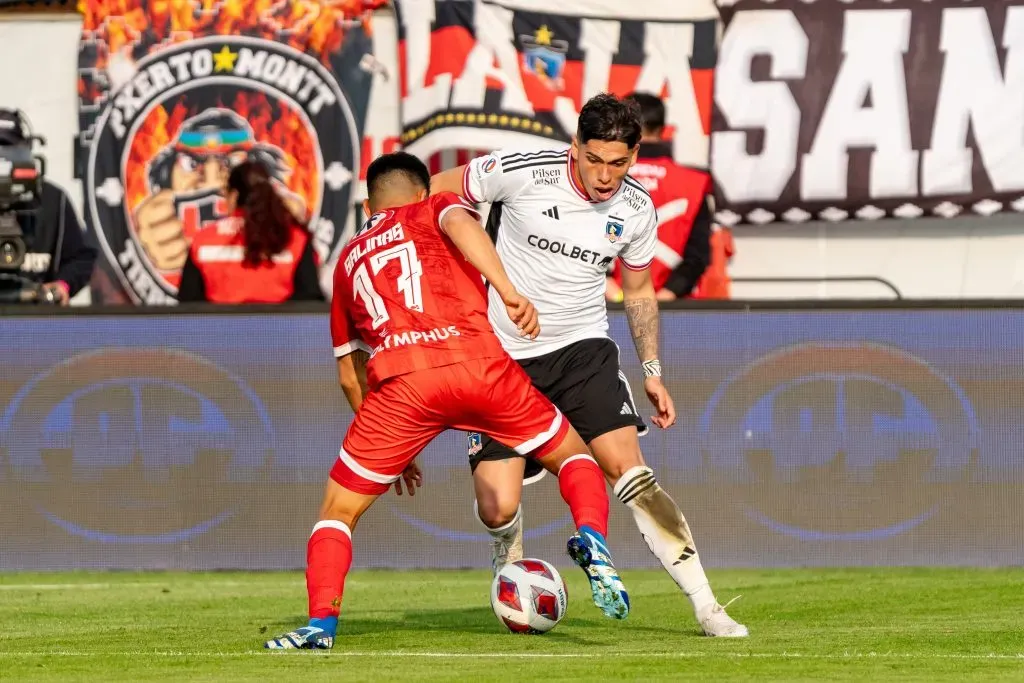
<point x="493" y="396"/>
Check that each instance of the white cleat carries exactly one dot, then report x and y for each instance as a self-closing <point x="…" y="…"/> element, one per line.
<point x="717" y="624"/>
<point x="505" y="549"/>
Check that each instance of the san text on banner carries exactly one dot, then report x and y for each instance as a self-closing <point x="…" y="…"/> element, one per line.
<point x="866" y="109"/>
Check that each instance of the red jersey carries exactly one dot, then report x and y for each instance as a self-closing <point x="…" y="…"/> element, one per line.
<point x="218" y="252"/>
<point x="678" y="193"/>
<point x="406" y="295"/>
<point x="715" y="282"/>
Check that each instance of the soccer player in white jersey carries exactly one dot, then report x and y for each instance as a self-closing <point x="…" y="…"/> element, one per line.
<point x="559" y="218"/>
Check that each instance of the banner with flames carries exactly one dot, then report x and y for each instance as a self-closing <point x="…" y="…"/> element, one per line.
<point x="172" y="95"/>
<point x="491" y="73"/>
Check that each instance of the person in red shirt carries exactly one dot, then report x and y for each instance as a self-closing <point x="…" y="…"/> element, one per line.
<point x="715" y="283"/>
<point x="684" y="220"/>
<point x="408" y="292"/>
<point x="259" y="253"/>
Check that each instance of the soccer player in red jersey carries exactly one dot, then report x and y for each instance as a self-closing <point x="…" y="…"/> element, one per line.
<point x="408" y="292"/>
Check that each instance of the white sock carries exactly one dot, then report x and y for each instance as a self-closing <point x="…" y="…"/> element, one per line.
<point x="505" y="532"/>
<point x="667" y="534"/>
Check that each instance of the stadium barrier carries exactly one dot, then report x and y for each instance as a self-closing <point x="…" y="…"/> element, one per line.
<point x="826" y="433"/>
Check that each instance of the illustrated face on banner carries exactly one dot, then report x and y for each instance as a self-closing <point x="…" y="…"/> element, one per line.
<point x="182" y="187"/>
<point x="173" y="97"/>
<point x="162" y="152"/>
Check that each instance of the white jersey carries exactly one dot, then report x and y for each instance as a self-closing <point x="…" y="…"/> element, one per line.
<point x="556" y="243"/>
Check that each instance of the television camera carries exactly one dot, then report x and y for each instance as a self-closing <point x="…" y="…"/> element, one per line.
<point x="21" y="189"/>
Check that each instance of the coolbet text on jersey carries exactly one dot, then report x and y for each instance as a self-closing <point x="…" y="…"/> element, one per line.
<point x="406" y="296"/>
<point x="556" y="243"/>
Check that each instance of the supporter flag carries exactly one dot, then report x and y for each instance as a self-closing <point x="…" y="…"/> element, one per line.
<point x="839" y="111"/>
<point x="483" y="75"/>
<point x="173" y="94"/>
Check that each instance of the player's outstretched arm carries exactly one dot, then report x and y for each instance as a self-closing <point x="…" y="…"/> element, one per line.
<point x="469" y="237"/>
<point x="641" y="304"/>
<point x="352" y="377"/>
<point x="448" y="181"/>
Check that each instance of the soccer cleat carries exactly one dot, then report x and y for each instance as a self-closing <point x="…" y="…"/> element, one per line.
<point x="589" y="550"/>
<point x="305" y="638"/>
<point x="717" y="624"/>
<point x="505" y="549"/>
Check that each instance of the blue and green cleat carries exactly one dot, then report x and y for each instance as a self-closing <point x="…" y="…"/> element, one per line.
<point x="589" y="550"/>
<point x="318" y="635"/>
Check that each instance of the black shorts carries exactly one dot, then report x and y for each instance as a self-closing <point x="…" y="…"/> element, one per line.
<point x="584" y="381"/>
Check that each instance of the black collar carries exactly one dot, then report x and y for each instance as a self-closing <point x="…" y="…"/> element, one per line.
<point x="653" y="150"/>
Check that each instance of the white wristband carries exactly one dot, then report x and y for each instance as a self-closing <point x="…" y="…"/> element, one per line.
<point x="652" y="368"/>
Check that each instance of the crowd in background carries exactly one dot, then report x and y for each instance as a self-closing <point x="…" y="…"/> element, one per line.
<point x="261" y="252"/>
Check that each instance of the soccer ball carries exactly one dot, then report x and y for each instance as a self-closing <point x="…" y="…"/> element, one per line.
<point x="529" y="596"/>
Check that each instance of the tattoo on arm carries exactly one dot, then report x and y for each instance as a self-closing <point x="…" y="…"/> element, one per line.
<point x="642" y="315"/>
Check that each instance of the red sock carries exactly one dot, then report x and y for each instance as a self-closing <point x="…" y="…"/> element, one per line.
<point x="581" y="483"/>
<point x="328" y="559"/>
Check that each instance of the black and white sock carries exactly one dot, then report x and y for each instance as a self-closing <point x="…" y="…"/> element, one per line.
<point x="667" y="534"/>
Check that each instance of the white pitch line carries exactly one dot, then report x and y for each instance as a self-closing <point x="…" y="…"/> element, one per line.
<point x="546" y="655"/>
<point x="101" y="586"/>
<point x="284" y="583"/>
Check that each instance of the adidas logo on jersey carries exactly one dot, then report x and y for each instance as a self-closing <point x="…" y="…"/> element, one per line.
<point x="552" y="212"/>
<point x="626" y="410"/>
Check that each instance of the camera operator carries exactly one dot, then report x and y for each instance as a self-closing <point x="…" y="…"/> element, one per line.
<point x="45" y="255"/>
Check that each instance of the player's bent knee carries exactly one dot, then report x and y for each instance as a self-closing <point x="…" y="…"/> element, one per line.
<point x="497" y="512"/>
<point x="617" y="452"/>
<point x="617" y="469"/>
<point x="498" y="487"/>
<point x="497" y="506"/>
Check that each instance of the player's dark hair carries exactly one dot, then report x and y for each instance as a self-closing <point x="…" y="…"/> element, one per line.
<point x="652" y="111"/>
<point x="268" y="223"/>
<point x="607" y="118"/>
<point x="402" y="163"/>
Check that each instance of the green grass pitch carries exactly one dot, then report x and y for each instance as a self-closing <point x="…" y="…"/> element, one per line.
<point x="864" y="624"/>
